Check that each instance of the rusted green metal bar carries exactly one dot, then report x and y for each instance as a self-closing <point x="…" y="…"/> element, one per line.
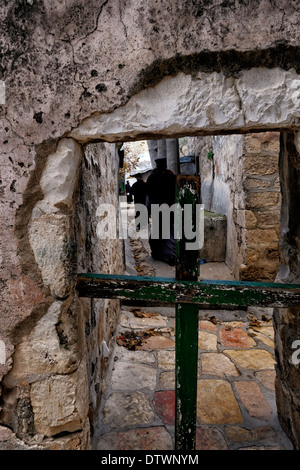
<point x="204" y="294"/>
<point x="186" y="345"/>
<point x="187" y="256"/>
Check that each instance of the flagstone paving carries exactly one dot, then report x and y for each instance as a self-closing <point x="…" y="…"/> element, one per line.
<point x="236" y="405"/>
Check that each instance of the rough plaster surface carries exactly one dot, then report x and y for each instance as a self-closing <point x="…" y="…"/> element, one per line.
<point x="75" y="58"/>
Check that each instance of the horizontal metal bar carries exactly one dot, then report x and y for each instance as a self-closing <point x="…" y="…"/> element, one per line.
<point x="204" y="293"/>
<point x="205" y="308"/>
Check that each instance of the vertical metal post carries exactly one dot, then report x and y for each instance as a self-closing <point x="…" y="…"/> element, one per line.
<point x="186" y="351"/>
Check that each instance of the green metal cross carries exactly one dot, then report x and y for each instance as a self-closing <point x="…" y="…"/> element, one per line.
<point x="189" y="296"/>
<point x="186" y="322"/>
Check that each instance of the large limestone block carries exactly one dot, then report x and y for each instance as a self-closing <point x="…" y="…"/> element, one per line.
<point x="259" y="98"/>
<point x="52" y="244"/>
<point x="50" y="228"/>
<point x="60" y="403"/>
<point x="79" y="440"/>
<point x="60" y="175"/>
<point x="50" y="347"/>
<point x="269" y="96"/>
<point x="174" y="104"/>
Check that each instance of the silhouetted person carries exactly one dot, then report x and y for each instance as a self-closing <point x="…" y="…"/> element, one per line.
<point x="161" y="187"/>
<point x="128" y="192"/>
<point x="138" y="190"/>
<point x="139" y="193"/>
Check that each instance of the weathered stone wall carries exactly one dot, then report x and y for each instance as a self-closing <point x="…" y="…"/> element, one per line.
<point x="240" y="179"/>
<point x="226" y="191"/>
<point x="287" y="334"/>
<point x="262" y="205"/>
<point x="286" y="321"/>
<point x="60" y="359"/>
<point x="79" y="72"/>
<point x="98" y="187"/>
<point x="45" y="392"/>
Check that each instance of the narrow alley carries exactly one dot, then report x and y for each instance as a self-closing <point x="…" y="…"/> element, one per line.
<point x="236" y="405"/>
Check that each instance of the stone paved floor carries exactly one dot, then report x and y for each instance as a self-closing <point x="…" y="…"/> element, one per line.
<point x="236" y="407"/>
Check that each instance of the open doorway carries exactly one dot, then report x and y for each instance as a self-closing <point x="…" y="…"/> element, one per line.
<point x="236" y="348"/>
<point x="240" y="191"/>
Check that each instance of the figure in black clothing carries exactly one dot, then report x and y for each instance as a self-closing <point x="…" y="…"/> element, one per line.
<point x="128" y="192"/>
<point x="161" y="187"/>
<point x="138" y="190"/>
<point x="139" y="193"/>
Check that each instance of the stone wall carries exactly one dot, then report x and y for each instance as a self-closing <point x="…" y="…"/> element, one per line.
<point x="55" y="383"/>
<point x="240" y="179"/>
<point x="98" y="186"/>
<point x="287" y="334"/>
<point x="262" y="204"/>
<point x="45" y="392"/>
<point x="286" y="321"/>
<point x="226" y="191"/>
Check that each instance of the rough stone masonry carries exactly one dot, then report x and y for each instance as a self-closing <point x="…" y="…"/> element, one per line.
<point x="77" y="74"/>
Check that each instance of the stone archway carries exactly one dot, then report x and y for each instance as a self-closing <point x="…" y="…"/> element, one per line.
<point x="202" y="104"/>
